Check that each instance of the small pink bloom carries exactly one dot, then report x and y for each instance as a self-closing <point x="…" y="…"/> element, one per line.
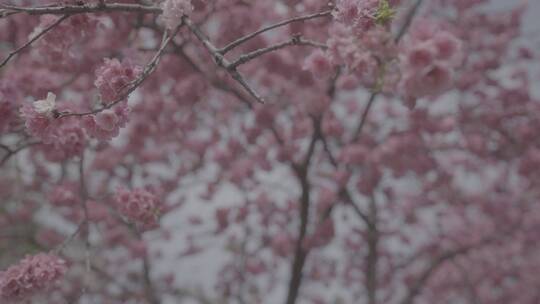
<point x="139" y="205"/>
<point x="319" y="64"/>
<point x="106" y="120"/>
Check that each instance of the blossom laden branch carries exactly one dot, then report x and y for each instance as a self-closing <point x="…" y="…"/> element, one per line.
<point x="132" y="86"/>
<point x="373" y="96"/>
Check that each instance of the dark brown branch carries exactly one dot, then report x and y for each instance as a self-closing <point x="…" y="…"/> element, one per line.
<point x="12" y="152"/>
<point x="301" y="253"/>
<point x="221" y="61"/>
<point x="297" y="41"/>
<point x="408" y="20"/>
<point x="81" y="9"/>
<point x="363" y="118"/>
<point x="248" y="37"/>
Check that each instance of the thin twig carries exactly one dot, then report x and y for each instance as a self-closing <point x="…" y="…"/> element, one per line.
<point x="12" y="152"/>
<point x="86" y="221"/>
<point x="248" y="37"/>
<point x="296" y="40"/>
<point x="29" y="42"/>
<point x="221" y="61"/>
<point x="408" y="20"/>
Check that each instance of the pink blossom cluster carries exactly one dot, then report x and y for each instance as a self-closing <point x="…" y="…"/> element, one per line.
<point x="64" y="195"/>
<point x="319" y="64"/>
<point x="30" y="276"/>
<point x="113" y="78"/>
<point x="360" y="15"/>
<point x="139" y="205"/>
<point x="61" y="138"/>
<point x="107" y="123"/>
<point x="40" y="125"/>
<point x="362" y="53"/>
<point x="430" y="57"/>
<point x="58" y="46"/>
<point x="173" y="10"/>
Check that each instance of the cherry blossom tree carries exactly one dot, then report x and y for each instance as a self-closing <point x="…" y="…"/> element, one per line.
<point x="288" y="151"/>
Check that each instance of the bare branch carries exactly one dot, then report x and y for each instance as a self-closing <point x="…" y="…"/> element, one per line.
<point x="221" y="61"/>
<point x="80" y="9"/>
<point x="12" y="152"/>
<point x="248" y="37"/>
<point x="296" y="40"/>
<point x="364" y="117"/>
<point x="408" y="20"/>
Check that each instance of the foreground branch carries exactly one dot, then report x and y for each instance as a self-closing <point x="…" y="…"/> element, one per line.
<point x="80" y="9"/>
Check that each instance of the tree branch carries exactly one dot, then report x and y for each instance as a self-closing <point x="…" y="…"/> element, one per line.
<point x="296" y="40"/>
<point x="221" y="61"/>
<point x="80" y="9"/>
<point x="248" y="37"/>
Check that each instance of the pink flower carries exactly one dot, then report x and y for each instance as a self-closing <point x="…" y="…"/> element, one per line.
<point x="448" y="46"/>
<point x="64" y="195"/>
<point x="113" y="77"/>
<point x="7" y="111"/>
<point x="421" y="56"/>
<point x="138" y="205"/>
<point x="68" y="140"/>
<point x="347" y="11"/>
<point x="432" y="81"/>
<point x="222" y="217"/>
<point x="173" y="10"/>
<point x="37" y="124"/>
<point x="281" y="244"/>
<point x="30" y="276"/>
<point x="354" y="154"/>
<point x="318" y="63"/>
<point x="106" y="120"/>
<point x="106" y="124"/>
